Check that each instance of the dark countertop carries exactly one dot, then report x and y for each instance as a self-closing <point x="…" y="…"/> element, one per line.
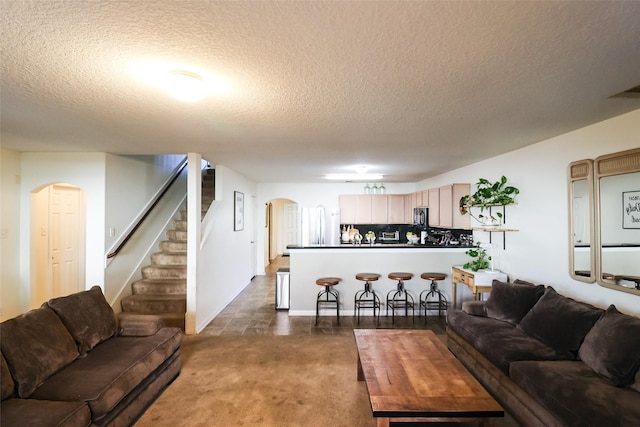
<point x="380" y="246"/>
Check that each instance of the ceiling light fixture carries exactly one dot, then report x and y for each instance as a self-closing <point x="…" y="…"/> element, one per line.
<point x="185" y="86"/>
<point x="353" y="176"/>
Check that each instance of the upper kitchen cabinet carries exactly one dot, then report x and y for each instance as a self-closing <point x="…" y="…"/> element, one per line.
<point x="408" y="209"/>
<point x="347" y="208"/>
<point x="416" y="199"/>
<point x="374" y="209"/>
<point x="379" y="210"/>
<point x="434" y="207"/>
<point x="396" y="210"/>
<point x="425" y="199"/>
<point x="449" y="209"/>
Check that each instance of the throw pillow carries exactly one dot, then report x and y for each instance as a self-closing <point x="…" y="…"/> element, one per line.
<point x="612" y="347"/>
<point x="36" y="345"/>
<point x="88" y="316"/>
<point x="510" y="302"/>
<point x="560" y="322"/>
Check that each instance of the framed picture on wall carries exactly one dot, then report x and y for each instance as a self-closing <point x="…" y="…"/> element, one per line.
<point x="631" y="209"/>
<point x="238" y="212"/>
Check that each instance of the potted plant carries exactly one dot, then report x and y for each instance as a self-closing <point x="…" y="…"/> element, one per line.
<point x="489" y="194"/>
<point x="480" y="259"/>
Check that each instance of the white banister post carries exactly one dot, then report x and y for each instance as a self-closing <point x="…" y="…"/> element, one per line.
<point x="194" y="195"/>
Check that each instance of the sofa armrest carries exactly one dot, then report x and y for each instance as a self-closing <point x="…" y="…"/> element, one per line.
<point x="475" y="308"/>
<point x="138" y="325"/>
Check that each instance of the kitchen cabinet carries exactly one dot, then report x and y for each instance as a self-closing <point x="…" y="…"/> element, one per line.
<point x="363" y="209"/>
<point x="425" y="199"/>
<point x="450" y="215"/>
<point x="408" y="209"/>
<point x="434" y="207"/>
<point x="347" y="204"/>
<point x="379" y="209"/>
<point x="443" y="204"/>
<point x="396" y="209"/>
<point x="374" y="209"/>
<point x="417" y="199"/>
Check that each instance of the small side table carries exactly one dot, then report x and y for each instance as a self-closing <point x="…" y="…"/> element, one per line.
<point x="478" y="282"/>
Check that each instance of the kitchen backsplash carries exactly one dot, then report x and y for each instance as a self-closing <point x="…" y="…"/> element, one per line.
<point x="436" y="235"/>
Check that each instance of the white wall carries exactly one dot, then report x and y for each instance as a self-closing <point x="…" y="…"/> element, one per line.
<point x="131" y="183"/>
<point x="224" y="264"/>
<point x="13" y="299"/>
<point x="540" y="250"/>
<point x="84" y="170"/>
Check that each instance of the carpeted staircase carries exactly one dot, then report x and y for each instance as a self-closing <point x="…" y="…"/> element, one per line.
<point x="163" y="287"/>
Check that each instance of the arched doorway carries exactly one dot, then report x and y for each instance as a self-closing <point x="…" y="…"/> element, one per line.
<point x="282" y="227"/>
<point x="57" y="242"/>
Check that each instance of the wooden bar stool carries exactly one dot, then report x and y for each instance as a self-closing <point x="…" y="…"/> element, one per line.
<point x="439" y="302"/>
<point x="328" y="297"/>
<point x="366" y="298"/>
<point x="400" y="298"/>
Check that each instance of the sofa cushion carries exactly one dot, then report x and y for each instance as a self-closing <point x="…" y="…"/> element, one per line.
<point x="138" y="325"/>
<point x="577" y="395"/>
<point x="8" y="386"/>
<point x="88" y="317"/>
<point x="36" y="345"/>
<point x="110" y="371"/>
<point x="560" y="322"/>
<point x="612" y="347"/>
<point x="31" y="412"/>
<point x="501" y="342"/>
<point x="512" y="301"/>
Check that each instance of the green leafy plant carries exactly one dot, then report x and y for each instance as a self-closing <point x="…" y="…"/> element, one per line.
<point x="480" y="259"/>
<point x="489" y="194"/>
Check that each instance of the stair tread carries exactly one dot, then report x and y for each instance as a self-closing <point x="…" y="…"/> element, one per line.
<point x="166" y="266"/>
<point x="163" y="297"/>
<point x="165" y="280"/>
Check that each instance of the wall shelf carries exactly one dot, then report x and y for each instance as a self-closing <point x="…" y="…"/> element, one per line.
<point x="499" y="229"/>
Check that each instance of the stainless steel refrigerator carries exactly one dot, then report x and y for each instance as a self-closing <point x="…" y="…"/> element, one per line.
<point x="320" y="226"/>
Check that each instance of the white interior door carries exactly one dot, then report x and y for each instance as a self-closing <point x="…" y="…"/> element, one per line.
<point x="290" y="224"/>
<point x="64" y="215"/>
<point x="251" y="212"/>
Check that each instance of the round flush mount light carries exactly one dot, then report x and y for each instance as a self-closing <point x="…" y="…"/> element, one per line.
<point x="185" y="86"/>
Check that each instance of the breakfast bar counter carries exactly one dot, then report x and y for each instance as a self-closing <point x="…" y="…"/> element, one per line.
<point x="308" y="263"/>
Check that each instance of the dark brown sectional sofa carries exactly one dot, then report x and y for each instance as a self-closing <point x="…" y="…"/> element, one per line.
<point x="71" y="362"/>
<point x="548" y="359"/>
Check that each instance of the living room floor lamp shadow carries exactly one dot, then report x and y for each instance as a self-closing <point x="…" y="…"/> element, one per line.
<point x="238" y="211"/>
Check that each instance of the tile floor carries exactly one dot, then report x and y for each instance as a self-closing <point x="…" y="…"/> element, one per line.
<point x="253" y="313"/>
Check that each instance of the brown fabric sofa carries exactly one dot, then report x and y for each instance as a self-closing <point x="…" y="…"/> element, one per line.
<point x="548" y="359"/>
<point x="71" y="362"/>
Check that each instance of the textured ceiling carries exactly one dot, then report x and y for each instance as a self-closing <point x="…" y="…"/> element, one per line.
<point x="412" y="89"/>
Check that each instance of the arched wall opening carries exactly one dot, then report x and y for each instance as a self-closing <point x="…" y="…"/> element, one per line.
<point x="57" y="242"/>
<point x="281" y="227"/>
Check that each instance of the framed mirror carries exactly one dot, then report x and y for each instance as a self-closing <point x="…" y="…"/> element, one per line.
<point x="581" y="219"/>
<point x="617" y="197"/>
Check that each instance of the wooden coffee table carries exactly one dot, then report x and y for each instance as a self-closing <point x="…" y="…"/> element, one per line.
<point x="412" y="377"/>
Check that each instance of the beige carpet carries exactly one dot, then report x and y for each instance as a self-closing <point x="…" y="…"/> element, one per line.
<point x="264" y="381"/>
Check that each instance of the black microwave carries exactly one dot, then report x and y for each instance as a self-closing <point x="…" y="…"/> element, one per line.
<point x="421" y="217"/>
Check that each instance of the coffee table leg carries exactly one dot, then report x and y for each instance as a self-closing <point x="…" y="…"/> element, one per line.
<point x="360" y="371"/>
<point x="383" y="422"/>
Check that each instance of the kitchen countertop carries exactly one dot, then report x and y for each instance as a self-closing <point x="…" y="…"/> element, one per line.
<point x="379" y="246"/>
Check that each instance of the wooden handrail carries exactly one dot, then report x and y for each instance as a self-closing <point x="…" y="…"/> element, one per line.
<point x="146" y="214"/>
